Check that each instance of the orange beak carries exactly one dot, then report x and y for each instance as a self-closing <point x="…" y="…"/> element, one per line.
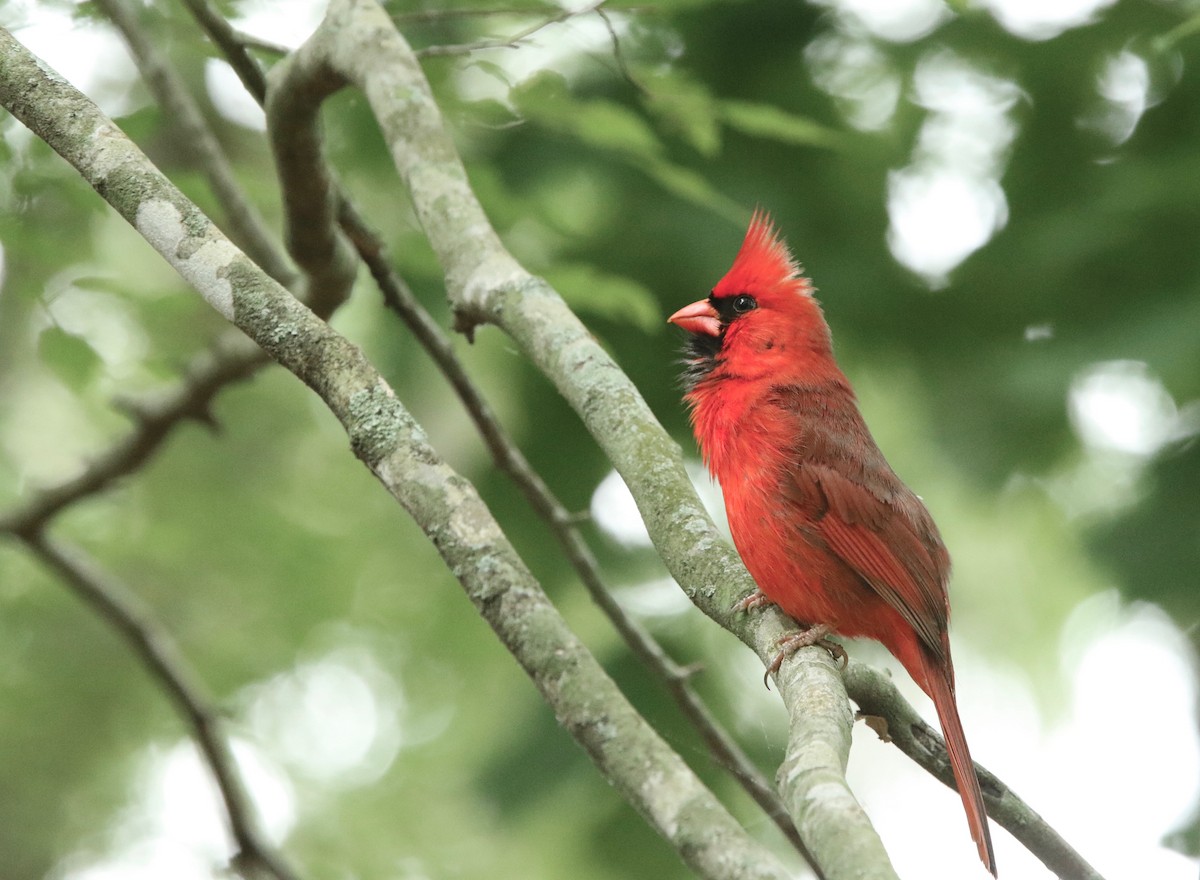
<point x="699" y="317"/>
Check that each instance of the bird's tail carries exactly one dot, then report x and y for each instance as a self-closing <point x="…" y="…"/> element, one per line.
<point x="940" y="686"/>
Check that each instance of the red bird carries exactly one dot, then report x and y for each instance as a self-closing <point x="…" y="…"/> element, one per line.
<point x="826" y="528"/>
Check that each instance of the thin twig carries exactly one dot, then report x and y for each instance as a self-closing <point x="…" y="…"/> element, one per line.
<point x="877" y="696"/>
<point x="1186" y="29"/>
<point x="513" y="42"/>
<point x="230" y="361"/>
<point x="436" y="15"/>
<point x="157" y="651"/>
<point x="244" y="220"/>
<point x="425" y="16"/>
<point x="227" y="38"/>
<point x="260" y="44"/>
<point x="619" y="53"/>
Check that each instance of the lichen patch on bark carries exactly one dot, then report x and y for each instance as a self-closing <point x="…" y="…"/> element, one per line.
<point x="202" y="262"/>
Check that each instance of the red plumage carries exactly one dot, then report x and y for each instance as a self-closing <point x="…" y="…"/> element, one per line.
<point x="826" y="528"/>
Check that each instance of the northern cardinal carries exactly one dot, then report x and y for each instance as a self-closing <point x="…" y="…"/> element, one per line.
<point x="827" y="530"/>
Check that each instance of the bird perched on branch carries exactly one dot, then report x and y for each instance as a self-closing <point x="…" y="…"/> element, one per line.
<point x="827" y="530"/>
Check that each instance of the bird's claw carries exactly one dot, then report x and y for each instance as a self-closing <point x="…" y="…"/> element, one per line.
<point x="757" y="599"/>
<point x="814" y="635"/>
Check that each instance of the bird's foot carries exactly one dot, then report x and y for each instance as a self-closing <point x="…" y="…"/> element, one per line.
<point x="757" y="599"/>
<point x="814" y="635"/>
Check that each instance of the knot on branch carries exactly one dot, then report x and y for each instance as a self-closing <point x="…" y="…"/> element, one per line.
<point x="467" y="318"/>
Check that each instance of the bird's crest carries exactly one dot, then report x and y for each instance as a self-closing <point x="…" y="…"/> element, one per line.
<point x="764" y="261"/>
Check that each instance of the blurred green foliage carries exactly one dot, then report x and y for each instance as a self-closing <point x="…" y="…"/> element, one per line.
<point x="625" y="177"/>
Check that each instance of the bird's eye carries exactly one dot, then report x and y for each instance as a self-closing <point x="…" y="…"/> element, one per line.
<point x="743" y="303"/>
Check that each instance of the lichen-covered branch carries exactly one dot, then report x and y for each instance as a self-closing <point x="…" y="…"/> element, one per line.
<point x="245" y="222"/>
<point x="812" y="775"/>
<point x="508" y="458"/>
<point x="878" y="696"/>
<point x="357" y="43"/>
<point x="311" y="198"/>
<point x="370" y="248"/>
<point x="385" y="437"/>
<point x="229" y="359"/>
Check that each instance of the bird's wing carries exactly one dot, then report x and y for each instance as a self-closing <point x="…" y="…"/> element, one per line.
<point x="873" y="522"/>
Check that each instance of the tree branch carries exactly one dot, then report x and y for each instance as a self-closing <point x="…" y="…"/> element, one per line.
<point x="509" y="459"/>
<point x="312" y="195"/>
<point x="245" y="222"/>
<point x="231" y="360"/>
<point x="384" y="436"/>
<point x="507" y="455"/>
<point x="878" y="696"/>
<point x="156" y="650"/>
<point x="485" y="284"/>
<point x="812" y="775"/>
<point x="226" y="38"/>
<point x="310" y="202"/>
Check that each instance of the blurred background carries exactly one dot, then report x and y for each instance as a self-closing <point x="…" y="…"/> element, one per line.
<point x="999" y="203"/>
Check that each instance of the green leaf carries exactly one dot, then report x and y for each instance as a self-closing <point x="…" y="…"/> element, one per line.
<point x="613" y="127"/>
<point x="684" y="106"/>
<point x="768" y="121"/>
<point x="102" y="283"/>
<point x="70" y="357"/>
<point x="622" y="132"/>
<point x="491" y="68"/>
<point x="587" y="289"/>
<point x="489" y="113"/>
<point x="544" y="98"/>
<point x="695" y="188"/>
